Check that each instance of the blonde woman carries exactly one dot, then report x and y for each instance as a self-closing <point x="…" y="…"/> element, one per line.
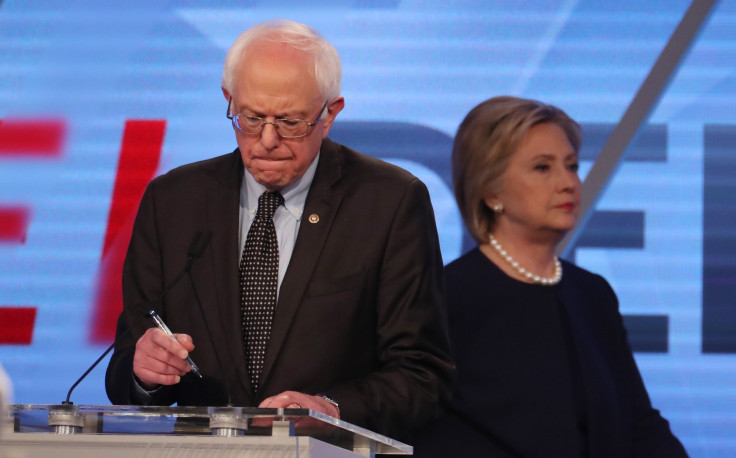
<point x="543" y="365"/>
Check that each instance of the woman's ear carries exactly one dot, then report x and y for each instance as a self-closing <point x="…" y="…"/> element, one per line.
<point x="494" y="203"/>
<point x="491" y="201"/>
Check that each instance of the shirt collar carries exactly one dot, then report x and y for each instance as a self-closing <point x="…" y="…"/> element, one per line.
<point x="295" y="194"/>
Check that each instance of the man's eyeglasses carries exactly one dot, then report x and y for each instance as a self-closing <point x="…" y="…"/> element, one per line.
<point x="286" y="128"/>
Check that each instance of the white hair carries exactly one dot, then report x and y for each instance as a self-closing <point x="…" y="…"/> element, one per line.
<point x="326" y="66"/>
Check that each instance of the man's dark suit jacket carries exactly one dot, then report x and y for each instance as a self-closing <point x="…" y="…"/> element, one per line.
<point x="514" y="399"/>
<point x="359" y="315"/>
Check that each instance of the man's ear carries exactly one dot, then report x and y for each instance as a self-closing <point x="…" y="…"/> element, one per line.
<point x="333" y="109"/>
<point x="226" y="94"/>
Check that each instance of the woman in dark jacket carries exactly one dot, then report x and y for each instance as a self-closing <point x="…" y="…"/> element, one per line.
<point x="543" y="365"/>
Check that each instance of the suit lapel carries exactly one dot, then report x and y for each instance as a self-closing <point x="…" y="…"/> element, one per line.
<point x="222" y="215"/>
<point x="594" y="368"/>
<point x="323" y="201"/>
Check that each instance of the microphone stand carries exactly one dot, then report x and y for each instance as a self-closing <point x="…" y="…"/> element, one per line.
<point x="212" y="340"/>
<point x="196" y="248"/>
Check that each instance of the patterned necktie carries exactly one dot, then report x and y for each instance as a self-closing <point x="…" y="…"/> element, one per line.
<point x="259" y="270"/>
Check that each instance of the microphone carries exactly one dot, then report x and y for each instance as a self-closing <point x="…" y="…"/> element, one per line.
<point x="195" y="250"/>
<point x="199" y="242"/>
<point x="196" y="247"/>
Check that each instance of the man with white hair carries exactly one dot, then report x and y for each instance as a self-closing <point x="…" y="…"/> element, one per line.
<point x="329" y="300"/>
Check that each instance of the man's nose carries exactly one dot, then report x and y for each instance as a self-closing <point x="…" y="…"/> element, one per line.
<point x="270" y="137"/>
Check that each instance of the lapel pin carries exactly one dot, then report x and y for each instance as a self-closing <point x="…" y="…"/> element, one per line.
<point x="314" y="218"/>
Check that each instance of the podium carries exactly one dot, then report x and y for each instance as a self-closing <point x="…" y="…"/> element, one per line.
<point x="61" y="431"/>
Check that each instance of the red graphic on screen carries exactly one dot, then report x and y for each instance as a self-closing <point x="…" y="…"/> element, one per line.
<point x="16" y="325"/>
<point x="23" y="138"/>
<point x="14" y="224"/>
<point x="140" y="153"/>
<point x="32" y="138"/>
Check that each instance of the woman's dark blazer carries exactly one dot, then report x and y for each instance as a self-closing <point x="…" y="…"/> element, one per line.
<point x="497" y="411"/>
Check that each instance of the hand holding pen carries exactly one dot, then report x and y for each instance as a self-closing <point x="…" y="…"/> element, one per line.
<point x="162" y="326"/>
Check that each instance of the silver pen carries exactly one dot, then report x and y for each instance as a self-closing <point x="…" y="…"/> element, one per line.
<point x="162" y="326"/>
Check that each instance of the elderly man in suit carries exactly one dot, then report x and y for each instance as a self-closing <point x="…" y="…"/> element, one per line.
<point x="346" y="318"/>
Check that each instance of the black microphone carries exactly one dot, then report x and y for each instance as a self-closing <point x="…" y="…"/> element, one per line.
<point x="197" y="246"/>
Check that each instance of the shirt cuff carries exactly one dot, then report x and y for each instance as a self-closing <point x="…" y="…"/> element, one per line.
<point x="140" y="395"/>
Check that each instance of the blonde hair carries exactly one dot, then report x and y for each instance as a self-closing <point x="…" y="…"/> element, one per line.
<point x="485" y="141"/>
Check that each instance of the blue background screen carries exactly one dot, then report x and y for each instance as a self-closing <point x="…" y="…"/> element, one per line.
<point x="98" y="97"/>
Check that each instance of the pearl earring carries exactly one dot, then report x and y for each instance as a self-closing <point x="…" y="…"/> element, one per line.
<point x="498" y="208"/>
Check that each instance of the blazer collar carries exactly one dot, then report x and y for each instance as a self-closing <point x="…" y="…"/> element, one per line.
<point x="320" y="209"/>
<point x="323" y="200"/>
<point x="222" y="218"/>
<point x="594" y="360"/>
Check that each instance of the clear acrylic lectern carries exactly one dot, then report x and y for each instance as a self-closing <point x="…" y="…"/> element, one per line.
<point x="61" y="431"/>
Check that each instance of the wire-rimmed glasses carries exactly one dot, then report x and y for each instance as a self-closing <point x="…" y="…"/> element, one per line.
<point x="286" y="128"/>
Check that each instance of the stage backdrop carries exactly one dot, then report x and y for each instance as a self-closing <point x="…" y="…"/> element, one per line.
<point x="98" y="97"/>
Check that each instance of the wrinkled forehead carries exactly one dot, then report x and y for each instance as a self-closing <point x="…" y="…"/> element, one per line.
<point x="267" y="60"/>
<point x="274" y="79"/>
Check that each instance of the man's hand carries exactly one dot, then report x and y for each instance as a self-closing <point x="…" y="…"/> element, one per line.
<point x="159" y="360"/>
<point x="296" y="400"/>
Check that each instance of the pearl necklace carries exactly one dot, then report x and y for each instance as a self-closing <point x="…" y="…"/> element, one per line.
<point x="547" y="281"/>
